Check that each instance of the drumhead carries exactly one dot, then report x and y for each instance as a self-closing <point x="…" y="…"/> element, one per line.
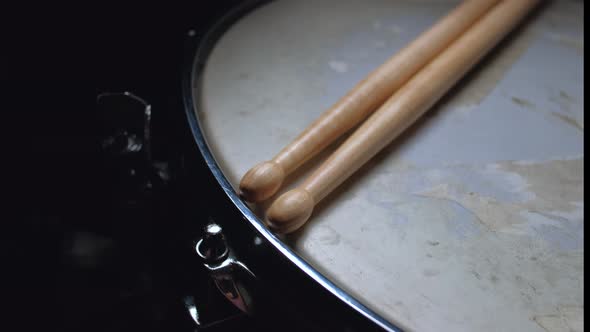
<point x="473" y="219"/>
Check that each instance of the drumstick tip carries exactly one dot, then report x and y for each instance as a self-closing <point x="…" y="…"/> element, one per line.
<point x="261" y="182"/>
<point x="290" y="211"/>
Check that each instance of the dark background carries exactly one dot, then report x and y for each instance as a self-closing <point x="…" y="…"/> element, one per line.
<point x="82" y="257"/>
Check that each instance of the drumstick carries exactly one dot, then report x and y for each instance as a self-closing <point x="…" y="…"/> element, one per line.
<point x="291" y="210"/>
<point x="264" y="179"/>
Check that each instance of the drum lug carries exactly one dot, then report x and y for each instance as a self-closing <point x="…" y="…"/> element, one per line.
<point x="232" y="277"/>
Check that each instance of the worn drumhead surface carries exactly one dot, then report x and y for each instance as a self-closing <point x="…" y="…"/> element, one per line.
<point x="471" y="221"/>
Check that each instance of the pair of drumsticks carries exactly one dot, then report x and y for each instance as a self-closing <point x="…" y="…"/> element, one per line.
<point x="393" y="97"/>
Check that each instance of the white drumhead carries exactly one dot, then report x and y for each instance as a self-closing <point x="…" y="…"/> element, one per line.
<point x="473" y="220"/>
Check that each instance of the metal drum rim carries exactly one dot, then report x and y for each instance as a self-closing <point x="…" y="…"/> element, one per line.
<point x="199" y="50"/>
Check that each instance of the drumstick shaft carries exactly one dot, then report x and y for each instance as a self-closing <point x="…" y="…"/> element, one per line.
<point x="402" y="109"/>
<point x="370" y="93"/>
<point x="363" y="99"/>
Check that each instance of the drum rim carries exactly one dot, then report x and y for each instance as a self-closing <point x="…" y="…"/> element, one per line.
<point x="193" y="69"/>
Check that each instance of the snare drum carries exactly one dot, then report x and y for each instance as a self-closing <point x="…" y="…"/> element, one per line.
<point x="471" y="221"/>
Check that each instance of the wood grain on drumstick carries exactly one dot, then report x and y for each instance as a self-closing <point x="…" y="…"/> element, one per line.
<point x="291" y="210"/>
<point x="264" y="179"/>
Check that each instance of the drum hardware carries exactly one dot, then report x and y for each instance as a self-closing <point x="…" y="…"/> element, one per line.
<point x="133" y="114"/>
<point x="127" y="142"/>
<point x="212" y="248"/>
<point x="142" y="183"/>
<point x="189" y="303"/>
<point x="232" y="277"/>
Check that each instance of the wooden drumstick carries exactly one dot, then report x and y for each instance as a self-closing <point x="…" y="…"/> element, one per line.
<point x="264" y="179"/>
<point x="291" y="210"/>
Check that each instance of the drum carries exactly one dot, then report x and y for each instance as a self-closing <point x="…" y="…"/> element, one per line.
<point x="471" y="221"/>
